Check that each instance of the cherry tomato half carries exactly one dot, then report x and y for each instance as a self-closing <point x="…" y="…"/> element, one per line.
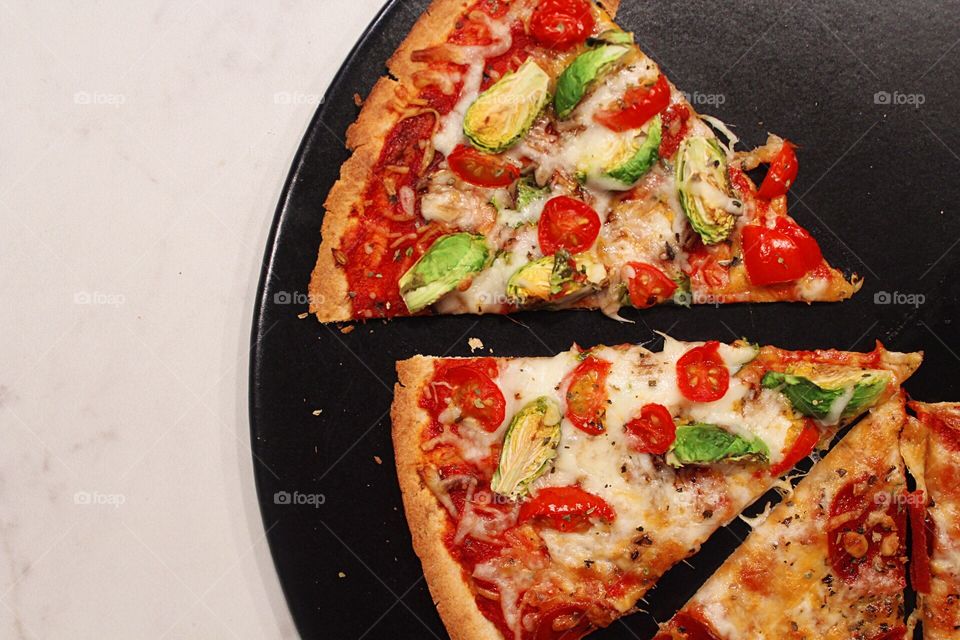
<point x="587" y="395"/>
<point x="561" y="24"/>
<point x="567" y="224"/>
<point x="475" y="394"/>
<point x="637" y="106"/>
<point x="566" y="508"/>
<point x="653" y="431"/>
<point x="647" y="285"/>
<point x="563" y="622"/>
<point x="807" y="439"/>
<point x="781" y="174"/>
<point x="701" y="373"/>
<point x="482" y="169"/>
<point x="782" y="254"/>
<point x="675" y="127"/>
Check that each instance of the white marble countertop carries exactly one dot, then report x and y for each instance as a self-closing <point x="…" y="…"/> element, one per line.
<point x="144" y="147"/>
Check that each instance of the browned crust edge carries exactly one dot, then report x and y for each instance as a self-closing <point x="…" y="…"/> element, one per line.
<point x="426" y="518"/>
<point x="365" y="137"/>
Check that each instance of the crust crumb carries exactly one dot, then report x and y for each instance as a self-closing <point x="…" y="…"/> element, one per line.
<point x="475" y="343"/>
<point x="377" y="459"/>
<point x="301" y="316"/>
<point x="347" y="329"/>
<point x="357" y="100"/>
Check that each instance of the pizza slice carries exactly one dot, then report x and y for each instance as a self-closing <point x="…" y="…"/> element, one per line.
<point x="828" y="561"/>
<point x="526" y="153"/>
<point x="932" y="451"/>
<point x="545" y="496"/>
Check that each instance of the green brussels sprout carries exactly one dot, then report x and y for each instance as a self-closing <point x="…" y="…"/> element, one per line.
<point x="527" y="192"/>
<point x="611" y="36"/>
<point x="555" y="278"/>
<point x="577" y="78"/>
<point x="701" y="443"/>
<point x="830" y="393"/>
<point x="529" y="446"/>
<point x="448" y="261"/>
<point x="642" y="160"/>
<point x="704" y="189"/>
<point x="502" y="115"/>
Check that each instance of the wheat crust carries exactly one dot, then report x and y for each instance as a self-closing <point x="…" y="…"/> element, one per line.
<point x="365" y="138"/>
<point x="425" y="516"/>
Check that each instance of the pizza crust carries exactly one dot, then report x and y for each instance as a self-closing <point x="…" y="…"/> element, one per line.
<point x="365" y="138"/>
<point x="426" y="517"/>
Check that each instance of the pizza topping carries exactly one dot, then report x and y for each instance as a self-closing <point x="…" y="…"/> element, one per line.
<point x="445" y="265"/>
<point x="566" y="509"/>
<point x="707" y="443"/>
<point x="690" y="625"/>
<point x="647" y="285"/>
<point x="704" y="189"/>
<point x="802" y="447"/>
<point x="830" y="393"/>
<point x="640" y="160"/>
<point x="701" y="373"/>
<point x="676" y="125"/>
<point x="529" y="446"/>
<point x="561" y="24"/>
<point x="472" y="394"/>
<point x="527" y="193"/>
<point x="482" y="169"/>
<point x="502" y="114"/>
<point x="653" y="431"/>
<point x="921" y="529"/>
<point x="560" y="278"/>
<point x="637" y="107"/>
<point x="563" y="622"/>
<point x="582" y="73"/>
<point x="567" y="224"/>
<point x="780" y="254"/>
<point x="781" y="174"/>
<point x="611" y="36"/>
<point x="587" y="395"/>
<point x="945" y="422"/>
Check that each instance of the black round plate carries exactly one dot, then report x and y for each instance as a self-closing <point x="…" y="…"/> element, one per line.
<point x="878" y="187"/>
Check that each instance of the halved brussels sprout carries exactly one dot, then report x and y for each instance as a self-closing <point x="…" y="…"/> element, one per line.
<point x="704" y="189"/>
<point x="702" y="443"/>
<point x="827" y="393"/>
<point x="529" y="446"/>
<point x="527" y="192"/>
<point x="576" y="79"/>
<point x="557" y="278"/>
<point x="447" y="262"/>
<point x="645" y="156"/>
<point x="502" y="114"/>
<point x="611" y="36"/>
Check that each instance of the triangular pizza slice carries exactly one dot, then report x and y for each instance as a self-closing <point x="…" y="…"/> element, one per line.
<point x="932" y="451"/>
<point x="526" y="153"/>
<point x="545" y="496"/>
<point x="828" y="562"/>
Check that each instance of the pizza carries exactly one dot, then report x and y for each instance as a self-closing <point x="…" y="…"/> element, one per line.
<point x="932" y="451"/>
<point x="526" y="153"/>
<point x="828" y="562"/>
<point x="545" y="496"/>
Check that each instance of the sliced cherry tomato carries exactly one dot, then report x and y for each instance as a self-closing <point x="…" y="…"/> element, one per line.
<point x="647" y="285"/>
<point x="587" y="395"/>
<point x="566" y="509"/>
<point x="653" y="430"/>
<point x="781" y="174"/>
<point x="567" y="224"/>
<point x="482" y="169"/>
<point x="701" y="373"/>
<point x="921" y="530"/>
<point x="782" y="254"/>
<point x="563" y="622"/>
<point x="897" y="633"/>
<point x="800" y="449"/>
<point x="637" y="106"/>
<point x="675" y="127"/>
<point x="561" y="24"/>
<point x="475" y="394"/>
<point x="690" y="626"/>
